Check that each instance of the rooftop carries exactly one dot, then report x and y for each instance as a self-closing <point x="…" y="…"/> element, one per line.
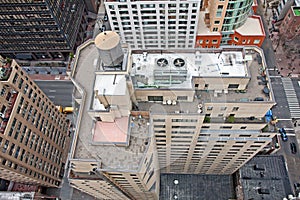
<point x="16" y="195"/>
<point x="265" y="177"/>
<point x="252" y="26"/>
<point x="258" y="87"/>
<point x="124" y="149"/>
<point x="296" y="11"/>
<point x="108" y="85"/>
<point x="187" y="187"/>
<point x="95" y="145"/>
<point x="175" y="70"/>
<point x="116" y="133"/>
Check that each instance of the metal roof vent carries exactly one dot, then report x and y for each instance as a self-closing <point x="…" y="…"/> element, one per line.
<point x="179" y="62"/>
<point x="162" y="62"/>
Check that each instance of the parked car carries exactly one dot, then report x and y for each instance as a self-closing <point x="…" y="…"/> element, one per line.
<point x="293" y="148"/>
<point x="65" y="110"/>
<point x="283" y="134"/>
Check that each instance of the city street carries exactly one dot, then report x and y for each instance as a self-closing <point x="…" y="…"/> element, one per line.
<point x="60" y="92"/>
<point x="286" y="93"/>
<point x="292" y="160"/>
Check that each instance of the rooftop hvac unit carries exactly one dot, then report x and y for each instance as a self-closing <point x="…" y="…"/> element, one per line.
<point x="162" y="62"/>
<point x="179" y="62"/>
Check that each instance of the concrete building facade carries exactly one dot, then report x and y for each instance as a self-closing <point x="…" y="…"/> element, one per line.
<point x="155" y="24"/>
<point x="229" y="23"/>
<point x="40" y="29"/>
<point x="185" y="24"/>
<point x="190" y="111"/>
<point x="34" y="137"/>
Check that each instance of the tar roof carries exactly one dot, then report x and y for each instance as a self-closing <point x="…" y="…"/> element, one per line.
<point x="190" y="187"/>
<point x="252" y="26"/>
<point x="265" y="177"/>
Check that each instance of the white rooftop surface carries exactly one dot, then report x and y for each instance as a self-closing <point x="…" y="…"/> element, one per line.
<point x="202" y="27"/>
<point x="225" y="64"/>
<point x="109" y="85"/>
<point x="251" y="27"/>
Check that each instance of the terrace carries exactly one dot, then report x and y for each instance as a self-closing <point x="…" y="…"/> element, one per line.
<point x="95" y="140"/>
<point x="258" y="87"/>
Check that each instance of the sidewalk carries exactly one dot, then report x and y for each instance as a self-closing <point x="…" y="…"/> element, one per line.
<point x="287" y="62"/>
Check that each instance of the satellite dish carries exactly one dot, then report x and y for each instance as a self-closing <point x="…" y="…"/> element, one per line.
<point x="179" y="62"/>
<point x="162" y="62"/>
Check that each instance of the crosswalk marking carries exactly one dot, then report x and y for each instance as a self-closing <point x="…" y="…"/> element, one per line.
<point x="291" y="97"/>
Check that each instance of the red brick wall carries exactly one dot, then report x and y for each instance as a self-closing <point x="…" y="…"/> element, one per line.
<point x="246" y="39"/>
<point x="207" y="41"/>
<point x="249" y="39"/>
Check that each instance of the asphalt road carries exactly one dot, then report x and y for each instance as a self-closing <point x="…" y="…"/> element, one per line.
<point x="281" y="110"/>
<point x="292" y="160"/>
<point x="60" y="92"/>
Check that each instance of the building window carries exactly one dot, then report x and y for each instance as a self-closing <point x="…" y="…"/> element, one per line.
<point x="245" y="135"/>
<point x="223" y="108"/>
<point x="217" y="22"/>
<point x="244" y="41"/>
<point x="209" y="108"/>
<point x="155" y="98"/>
<point x="225" y="127"/>
<point x="235" y="108"/>
<point x="182" y="98"/>
<point x="215" y="29"/>
<point x="15" y="78"/>
<point x="207" y="41"/>
<point x="243" y="127"/>
<point x="256" y="42"/>
<point x="200" y="41"/>
<point x="236" y="39"/>
<point x="232" y="86"/>
<point x="215" y="41"/>
<point x="224" y="135"/>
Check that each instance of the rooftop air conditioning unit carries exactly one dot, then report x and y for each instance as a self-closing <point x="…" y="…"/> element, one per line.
<point x="179" y="62"/>
<point x="162" y="62"/>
